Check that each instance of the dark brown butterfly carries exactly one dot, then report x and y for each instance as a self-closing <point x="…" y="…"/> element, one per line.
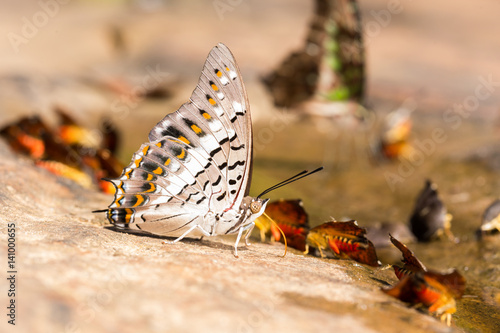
<point x="343" y="239"/>
<point x="290" y="217"/>
<point x="63" y="152"/>
<point x="96" y="153"/>
<point x="331" y="63"/>
<point x="411" y="264"/>
<point x="430" y="219"/>
<point x="434" y="291"/>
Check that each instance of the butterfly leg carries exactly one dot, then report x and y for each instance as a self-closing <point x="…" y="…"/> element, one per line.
<point x="247" y="227"/>
<point x="247" y="235"/>
<point x="186" y="233"/>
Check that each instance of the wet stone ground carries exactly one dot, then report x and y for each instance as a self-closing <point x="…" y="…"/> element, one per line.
<point x="74" y="275"/>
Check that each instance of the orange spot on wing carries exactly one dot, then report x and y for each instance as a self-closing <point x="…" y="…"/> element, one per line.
<point x="140" y="200"/>
<point x="182" y="155"/>
<point x="34" y="145"/>
<point x="183" y="139"/>
<point x="127" y="174"/>
<point x="129" y="214"/>
<point x="196" y="129"/>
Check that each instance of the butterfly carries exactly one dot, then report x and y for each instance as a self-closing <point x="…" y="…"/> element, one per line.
<point x="411" y="264"/>
<point x="289" y="217"/>
<point x="344" y="239"/>
<point x="193" y="176"/>
<point x="491" y="219"/>
<point x="330" y="65"/>
<point x="417" y="285"/>
<point x="430" y="219"/>
<point x="437" y="292"/>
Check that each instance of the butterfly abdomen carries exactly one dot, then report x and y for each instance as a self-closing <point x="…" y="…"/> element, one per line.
<point x="121" y="217"/>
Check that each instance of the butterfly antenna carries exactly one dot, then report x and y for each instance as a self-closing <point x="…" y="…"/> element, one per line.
<point x="298" y="176"/>
<point x="281" y="231"/>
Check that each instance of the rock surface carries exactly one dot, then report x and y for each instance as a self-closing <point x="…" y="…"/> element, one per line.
<point x="75" y="275"/>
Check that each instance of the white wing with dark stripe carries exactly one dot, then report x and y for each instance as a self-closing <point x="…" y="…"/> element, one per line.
<point x="198" y="160"/>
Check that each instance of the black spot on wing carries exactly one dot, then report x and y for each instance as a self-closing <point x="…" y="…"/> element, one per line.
<point x="222" y="196"/>
<point x="172" y="131"/>
<point x="215" y="151"/>
<point x="239" y="147"/>
<point x="189" y="196"/>
<point x="232" y="167"/>
<point x="217" y="181"/>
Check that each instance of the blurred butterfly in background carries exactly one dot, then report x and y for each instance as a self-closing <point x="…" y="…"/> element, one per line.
<point x="193" y="176"/>
<point x="288" y="216"/>
<point x="435" y="291"/>
<point x="343" y="239"/>
<point x="70" y="151"/>
<point x="491" y="220"/>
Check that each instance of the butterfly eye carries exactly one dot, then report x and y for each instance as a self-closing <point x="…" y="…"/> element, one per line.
<point x="255" y="207"/>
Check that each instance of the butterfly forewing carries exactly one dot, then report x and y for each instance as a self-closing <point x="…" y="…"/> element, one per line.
<point x="198" y="159"/>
